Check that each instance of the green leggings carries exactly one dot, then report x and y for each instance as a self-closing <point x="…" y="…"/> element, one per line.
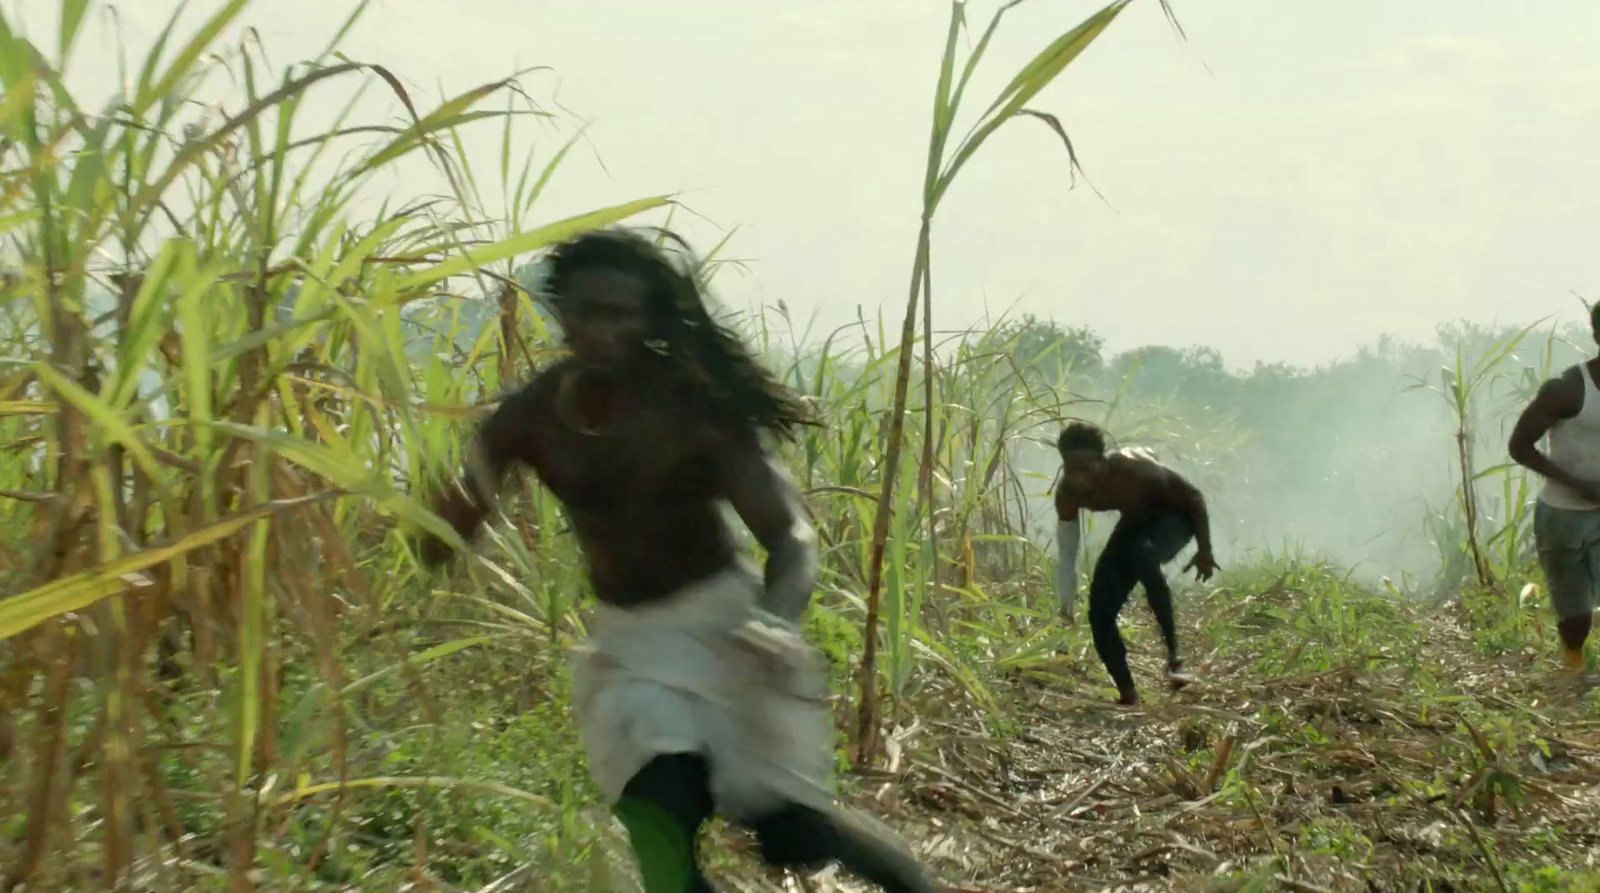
<point x="665" y="804"/>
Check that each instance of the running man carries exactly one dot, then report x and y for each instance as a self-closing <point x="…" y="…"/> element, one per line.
<point x="1566" y="520"/>
<point x="1160" y="513"/>
<point x="695" y="693"/>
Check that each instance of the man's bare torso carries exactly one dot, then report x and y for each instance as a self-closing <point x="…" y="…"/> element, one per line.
<point x="1135" y="485"/>
<point x="642" y="491"/>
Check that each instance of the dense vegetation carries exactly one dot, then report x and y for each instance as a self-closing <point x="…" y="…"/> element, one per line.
<point x="224" y="394"/>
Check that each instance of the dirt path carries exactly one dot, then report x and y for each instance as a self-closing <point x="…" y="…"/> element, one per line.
<point x="1355" y="780"/>
<point x="1453" y="772"/>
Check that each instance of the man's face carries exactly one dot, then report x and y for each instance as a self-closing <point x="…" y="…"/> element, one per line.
<point x="1082" y="470"/>
<point x="604" y="316"/>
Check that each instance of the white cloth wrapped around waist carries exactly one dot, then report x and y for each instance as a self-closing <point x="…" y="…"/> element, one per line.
<point x="707" y="671"/>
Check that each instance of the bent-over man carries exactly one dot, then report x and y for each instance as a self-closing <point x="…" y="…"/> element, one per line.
<point x="1160" y="512"/>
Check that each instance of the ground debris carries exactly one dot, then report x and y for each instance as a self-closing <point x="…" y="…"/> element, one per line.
<point x="1350" y="779"/>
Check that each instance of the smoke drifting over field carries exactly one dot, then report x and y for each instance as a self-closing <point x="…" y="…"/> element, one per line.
<point x="1355" y="461"/>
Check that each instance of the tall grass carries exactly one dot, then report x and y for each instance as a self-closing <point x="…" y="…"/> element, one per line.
<point x="209" y="400"/>
<point x="1461" y="385"/>
<point x="1494" y="535"/>
<point x="222" y="387"/>
<point x="939" y="175"/>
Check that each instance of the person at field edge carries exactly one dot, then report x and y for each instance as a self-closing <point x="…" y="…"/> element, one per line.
<point x="1159" y="513"/>
<point x="1566" y="519"/>
<point x="695" y="692"/>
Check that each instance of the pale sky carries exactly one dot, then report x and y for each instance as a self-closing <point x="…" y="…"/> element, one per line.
<point x="1294" y="181"/>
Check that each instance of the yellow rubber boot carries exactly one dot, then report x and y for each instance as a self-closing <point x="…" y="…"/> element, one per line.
<point x="1572" y="658"/>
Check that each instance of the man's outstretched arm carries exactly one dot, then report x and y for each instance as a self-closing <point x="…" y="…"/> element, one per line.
<point x="1193" y="505"/>
<point x="500" y="441"/>
<point x="1069" y="537"/>
<point x="768" y="502"/>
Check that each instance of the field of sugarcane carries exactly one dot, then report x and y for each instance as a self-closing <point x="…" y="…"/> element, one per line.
<point x="230" y="378"/>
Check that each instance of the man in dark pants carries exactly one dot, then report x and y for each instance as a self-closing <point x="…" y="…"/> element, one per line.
<point x="1566" y="520"/>
<point x="1160" y="513"/>
<point x="696" y="692"/>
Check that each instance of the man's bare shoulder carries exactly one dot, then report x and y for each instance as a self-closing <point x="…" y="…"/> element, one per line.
<point x="1137" y="461"/>
<point x="1558" y="398"/>
<point x="520" y="422"/>
<point x="547" y="376"/>
<point x="1564" y="389"/>
<point x="1141" y="465"/>
<point x="539" y="390"/>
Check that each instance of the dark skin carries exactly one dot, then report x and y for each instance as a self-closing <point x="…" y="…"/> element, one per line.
<point x="1558" y="398"/>
<point x="1137" y="487"/>
<point x="640" y="461"/>
<point x="642" y="457"/>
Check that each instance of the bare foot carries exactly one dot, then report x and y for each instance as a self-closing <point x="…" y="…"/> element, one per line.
<point x="1178" y="679"/>
<point x="1129" y="699"/>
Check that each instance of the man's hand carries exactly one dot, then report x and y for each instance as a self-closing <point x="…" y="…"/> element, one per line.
<point x="1204" y="564"/>
<point x="1067" y="613"/>
<point x="461" y="514"/>
<point x="433" y="551"/>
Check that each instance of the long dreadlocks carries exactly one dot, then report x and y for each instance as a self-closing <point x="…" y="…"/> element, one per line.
<point x="715" y="359"/>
